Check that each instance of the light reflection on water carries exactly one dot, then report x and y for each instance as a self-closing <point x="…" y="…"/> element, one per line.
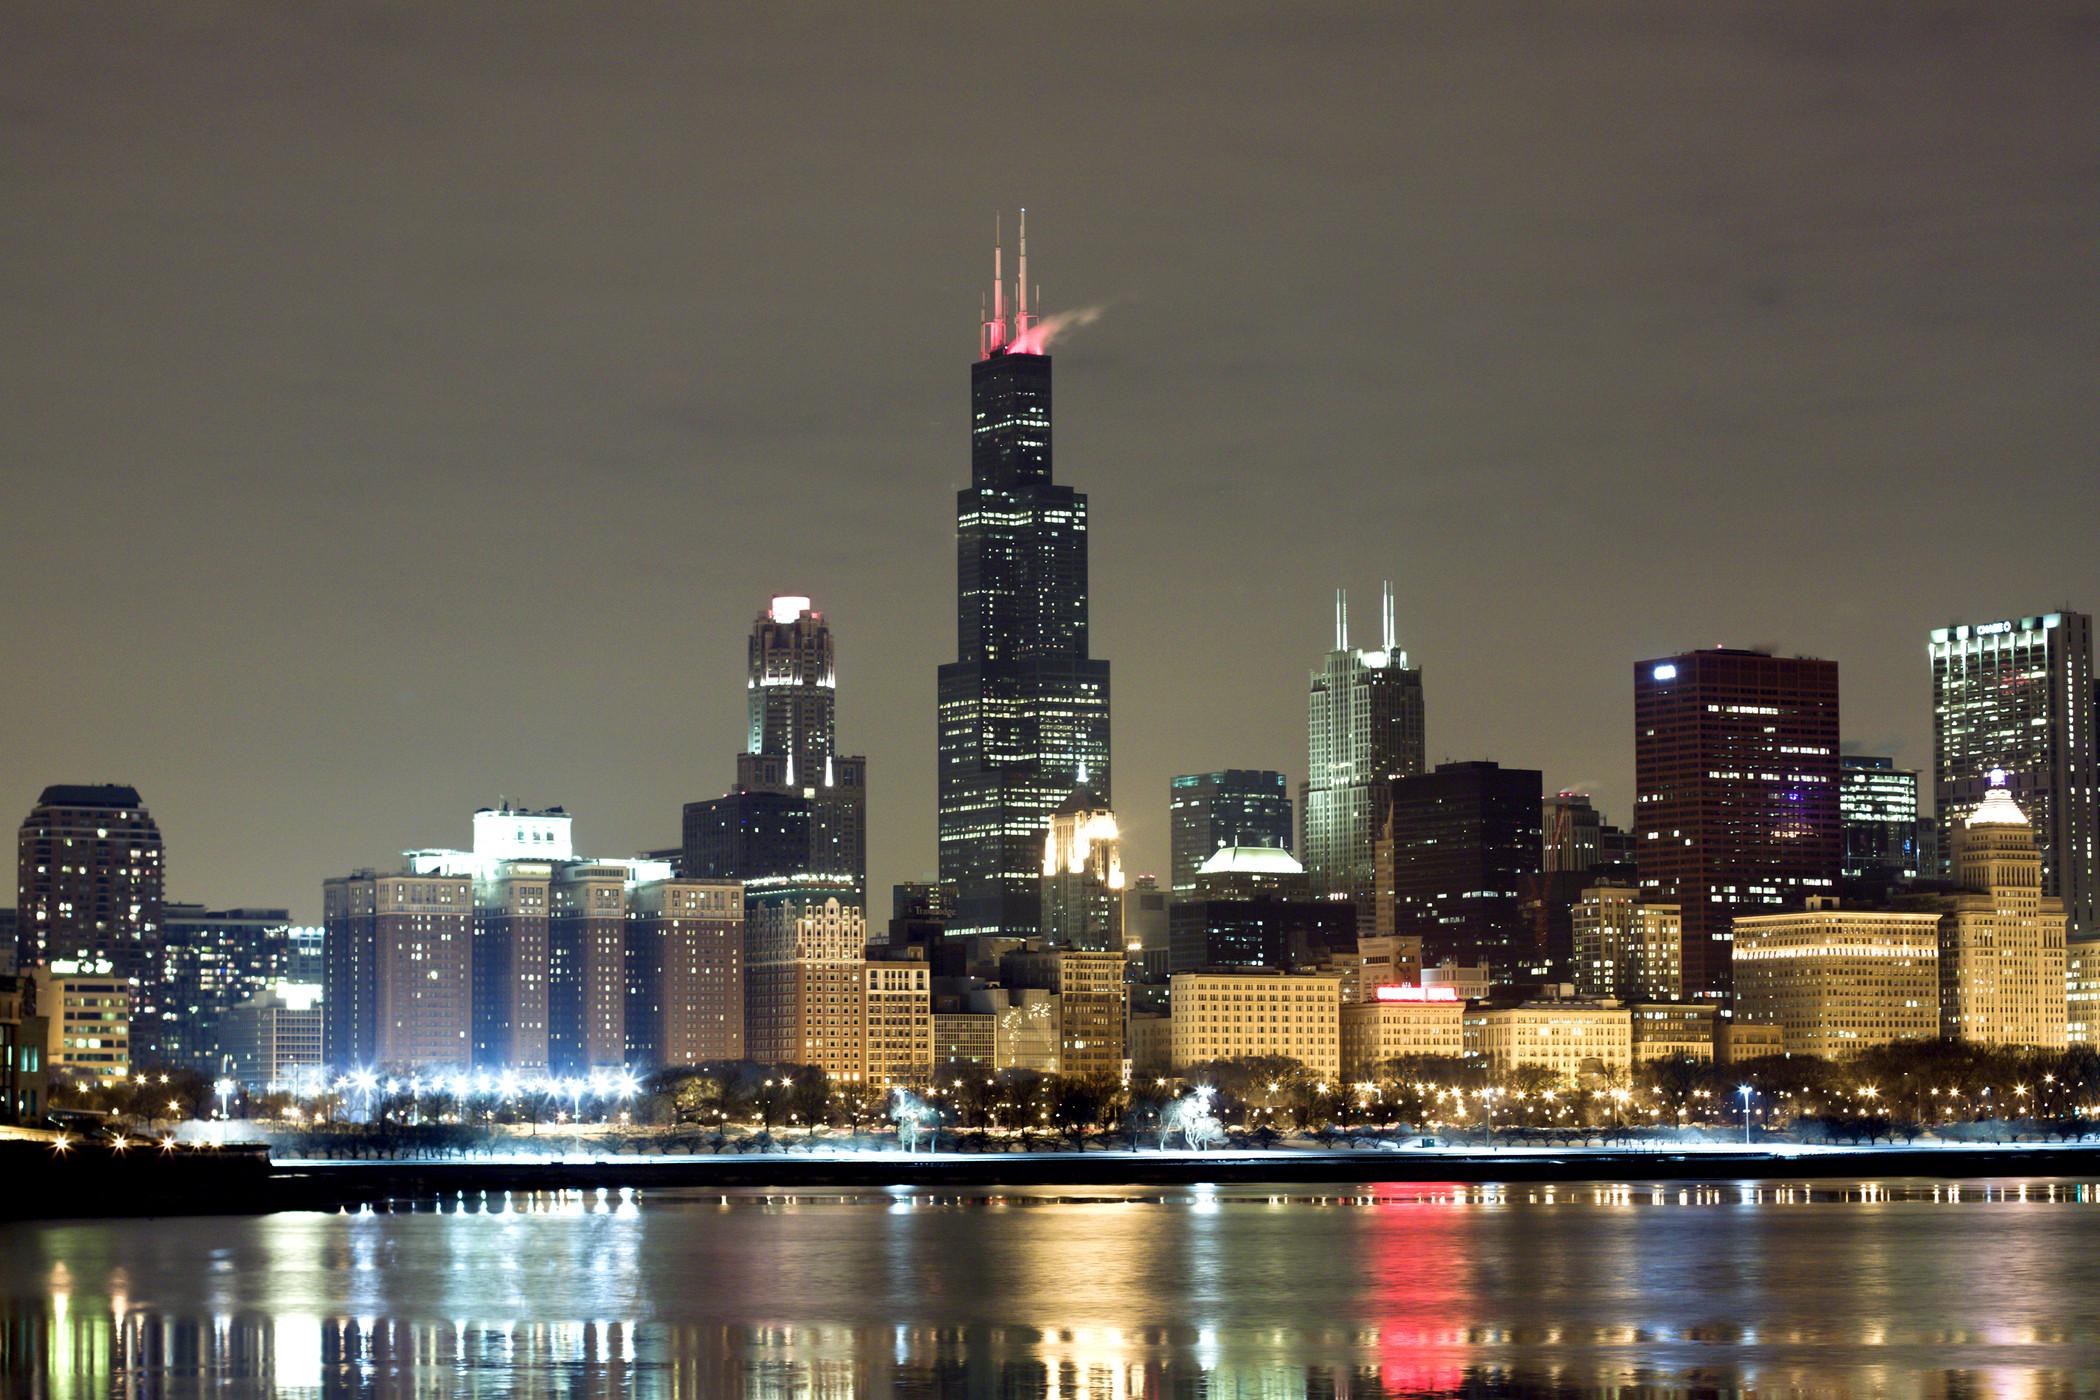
<point x="1975" y="1289"/>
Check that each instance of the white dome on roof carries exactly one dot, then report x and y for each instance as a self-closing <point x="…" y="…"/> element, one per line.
<point x="1251" y="860"/>
<point x="1998" y="809"/>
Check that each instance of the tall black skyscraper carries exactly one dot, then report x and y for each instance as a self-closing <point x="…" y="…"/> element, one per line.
<point x="1232" y="807"/>
<point x="1023" y="710"/>
<point x="796" y="825"/>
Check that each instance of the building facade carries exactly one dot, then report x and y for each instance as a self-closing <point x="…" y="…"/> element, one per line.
<point x="1093" y="1004"/>
<point x="685" y="973"/>
<point x="213" y="960"/>
<point x="2002" y="941"/>
<point x="1364" y="728"/>
<point x="1574" y="1038"/>
<point x="1024" y="709"/>
<point x="398" y="990"/>
<point x="1837" y="981"/>
<point x="805" y="986"/>
<point x="1625" y="947"/>
<point x="1252" y="906"/>
<point x="1245" y="1015"/>
<point x="87" y="1009"/>
<point x="1401" y="1021"/>
<point x="2015" y="696"/>
<point x="275" y="1037"/>
<point x="1082" y="890"/>
<point x="1878" y="808"/>
<point x="90" y="871"/>
<point x="1451" y="862"/>
<point x="1736" y="778"/>
<point x="1232" y="807"/>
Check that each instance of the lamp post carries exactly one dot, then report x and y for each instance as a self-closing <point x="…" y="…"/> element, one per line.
<point x="1745" y="1091"/>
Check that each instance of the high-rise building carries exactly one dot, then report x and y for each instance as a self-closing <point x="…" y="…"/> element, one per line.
<point x="1082" y="904"/>
<point x="1736" y="777"/>
<point x="1837" y="981"/>
<point x="587" y="969"/>
<point x="87" y="1007"/>
<point x="1572" y="833"/>
<point x="1093" y="1004"/>
<point x="275" y="1037"/>
<point x="1626" y="948"/>
<point x="1253" y="907"/>
<point x="1024" y="709"/>
<point x="805" y="986"/>
<point x="795" y="826"/>
<point x="212" y="961"/>
<point x="1231" y="807"/>
<point x="1878" y="807"/>
<point x="89" y="880"/>
<point x="2002" y="978"/>
<point x="2016" y="696"/>
<point x="398" y="992"/>
<point x="1364" y="728"/>
<point x="685" y="973"/>
<point x="1457" y="847"/>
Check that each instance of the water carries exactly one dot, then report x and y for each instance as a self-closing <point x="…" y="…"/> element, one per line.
<point x="1987" y="1288"/>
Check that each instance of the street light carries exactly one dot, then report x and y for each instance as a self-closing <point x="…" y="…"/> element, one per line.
<point x="1745" y="1091"/>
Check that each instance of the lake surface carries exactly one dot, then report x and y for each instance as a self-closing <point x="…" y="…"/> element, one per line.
<point x="1900" y="1288"/>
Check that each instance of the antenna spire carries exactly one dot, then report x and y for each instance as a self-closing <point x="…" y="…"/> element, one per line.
<point x="1391" y="632"/>
<point x="1021" y="316"/>
<point x="1341" y="619"/>
<point x="994" y="337"/>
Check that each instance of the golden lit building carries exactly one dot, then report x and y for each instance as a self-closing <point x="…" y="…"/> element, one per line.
<point x="2002" y="957"/>
<point x="805" y="989"/>
<point x="1625" y="947"/>
<point x="1837" y="981"/>
<point x="87" y="1006"/>
<point x="1093" y="1002"/>
<point x="1245" y="1014"/>
<point x="1400" y="1021"/>
<point x="1673" y="1030"/>
<point x="1573" y="1037"/>
<point x="2082" y="991"/>
<point x="898" y="999"/>
<point x="1083" y="875"/>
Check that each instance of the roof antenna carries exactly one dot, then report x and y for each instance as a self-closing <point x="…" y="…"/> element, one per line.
<point x="995" y="328"/>
<point x="1341" y="619"/>
<point x="1389" y="627"/>
<point x="1021" y="317"/>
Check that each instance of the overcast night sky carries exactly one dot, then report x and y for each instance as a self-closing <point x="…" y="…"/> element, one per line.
<point x="407" y="407"/>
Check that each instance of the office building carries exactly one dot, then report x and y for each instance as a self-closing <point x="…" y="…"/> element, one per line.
<point x="1024" y="709"/>
<point x="1252" y="906"/>
<point x="1148" y="927"/>
<point x="88" y="887"/>
<point x="1364" y="728"/>
<point x="1837" y="981"/>
<point x="1673" y="1030"/>
<point x="87" y="1009"/>
<point x="275" y="1038"/>
<point x="213" y="960"/>
<point x="685" y="973"/>
<point x="1257" y="1014"/>
<point x="1457" y="846"/>
<point x="898" y="1041"/>
<point x="1736" y="777"/>
<point x="1093" y="1004"/>
<point x="1401" y="1021"/>
<point x="2002" y="940"/>
<point x="1878" y="809"/>
<point x="805" y="986"/>
<point x="398" y="994"/>
<point x="963" y="1043"/>
<point x="795" y="825"/>
<point x="1625" y="947"/>
<point x="1571" y="833"/>
<point x="1576" y="1039"/>
<point x="2015" y="696"/>
<point x="1082" y="886"/>
<point x="2082" y="991"/>
<point x="1232" y="807"/>
<point x="920" y="912"/>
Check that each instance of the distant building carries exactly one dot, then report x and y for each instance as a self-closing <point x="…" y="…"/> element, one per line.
<point x="1574" y="1038"/>
<point x="920" y="912"/>
<point x="963" y="1042"/>
<point x="685" y="973"/>
<point x="1627" y="948"/>
<point x="87" y="1009"/>
<point x="1878" y="806"/>
<point x="212" y="961"/>
<point x="1252" y="907"/>
<point x="1457" y="846"/>
<point x="1231" y="807"/>
<point x="1737" y="1042"/>
<point x="1027" y="1027"/>
<point x="1838" y="981"/>
<point x="1082" y="887"/>
<point x="275" y="1038"/>
<point x="2002" y="943"/>
<point x="1250" y="1014"/>
<point x="1364" y="727"/>
<point x="1736" y="771"/>
<point x="1571" y="833"/>
<point x="1674" y="1030"/>
<point x="2015" y="696"/>
<point x="24" y="1042"/>
<point x="805" y="987"/>
<point x="397" y="994"/>
<point x="1147" y="926"/>
<point x="1401" y="1021"/>
<point x="89" y="881"/>
<point x="1093" y="1004"/>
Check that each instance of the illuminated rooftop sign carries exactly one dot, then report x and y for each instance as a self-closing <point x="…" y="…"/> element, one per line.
<point x="1408" y="991"/>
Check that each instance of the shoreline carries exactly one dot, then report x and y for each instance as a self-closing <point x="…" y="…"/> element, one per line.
<point x="243" y="1181"/>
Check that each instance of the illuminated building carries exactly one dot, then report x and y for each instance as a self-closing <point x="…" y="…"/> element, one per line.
<point x="2016" y="696"/>
<point x="1673" y="1030"/>
<point x="2002" y="940"/>
<point x="2082" y="991"/>
<point x="587" y="969"/>
<point x="1027" y="1026"/>
<point x="275" y="1037"/>
<point x="1024" y="709"/>
<point x="1082" y="889"/>
<point x="805" y="990"/>
<point x="1241" y="1015"/>
<point x="1148" y="928"/>
<point x="1252" y="906"/>
<point x="1571" y="833"/>
<point x="1231" y="807"/>
<point x="1878" y="807"/>
<point x="795" y="826"/>
<point x="1737" y="1041"/>
<point x="89" y="884"/>
<point x="1379" y="961"/>
<point x="1574" y="1038"/>
<point x="963" y="1040"/>
<point x="1364" y="727"/>
<point x="213" y="960"/>
<point x="897" y="1002"/>
<point x="1402" y="1021"/>
<point x="1625" y="947"/>
<point x="24" y="1042"/>
<point x="685" y="973"/>
<point x="398" y="994"/>
<point x="1093" y="1003"/>
<point x="1838" y="981"/>
<point x="513" y="916"/>
<point x="1451" y="861"/>
<point x="1736" y="775"/>
<point x="87" y="1008"/>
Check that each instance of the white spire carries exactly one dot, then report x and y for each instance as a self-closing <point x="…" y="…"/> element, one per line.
<point x="1391" y="632"/>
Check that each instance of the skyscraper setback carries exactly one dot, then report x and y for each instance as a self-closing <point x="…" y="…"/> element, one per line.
<point x="1024" y="709"/>
<point x="1364" y="728"/>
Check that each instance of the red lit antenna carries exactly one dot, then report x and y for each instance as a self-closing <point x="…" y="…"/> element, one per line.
<point x="994" y="337"/>
<point x="1022" y="320"/>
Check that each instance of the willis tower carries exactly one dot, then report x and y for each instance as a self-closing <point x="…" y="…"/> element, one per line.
<point x="1024" y="710"/>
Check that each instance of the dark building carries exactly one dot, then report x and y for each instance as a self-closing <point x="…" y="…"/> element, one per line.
<point x="1252" y="906"/>
<point x="89" y="879"/>
<point x="920" y="912"/>
<point x="1878" y="809"/>
<point x="1736" y="783"/>
<point x="1458" y="844"/>
<point x="213" y="961"/>
<point x="1233" y="807"/>
<point x="1024" y="709"/>
<point x="795" y="827"/>
<point x="1572" y="832"/>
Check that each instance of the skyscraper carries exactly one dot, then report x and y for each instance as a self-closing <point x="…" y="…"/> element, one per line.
<point x="1024" y="709"/>
<point x="1457" y="846"/>
<point x="1573" y="833"/>
<point x="1364" y="727"/>
<point x="89" y="882"/>
<point x="1233" y="807"/>
<point x="2002" y="953"/>
<point x="1878" y="806"/>
<point x="2016" y="696"/>
<point x="796" y="824"/>
<point x="1736" y="778"/>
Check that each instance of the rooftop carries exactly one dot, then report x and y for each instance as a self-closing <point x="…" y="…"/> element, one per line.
<point x="1251" y="860"/>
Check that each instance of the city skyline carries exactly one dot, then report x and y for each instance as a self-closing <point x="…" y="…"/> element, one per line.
<point x="1561" y="362"/>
